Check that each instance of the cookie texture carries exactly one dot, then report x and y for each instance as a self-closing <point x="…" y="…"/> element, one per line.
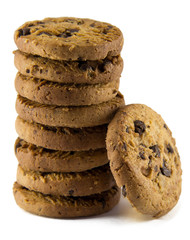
<point x="62" y="138"/>
<point x="85" y="183"/>
<point x="65" y="207"/>
<point x="144" y="159"/>
<point x="91" y="72"/>
<point x="32" y="157"/>
<point x="60" y="94"/>
<point x="74" y="117"/>
<point x="69" y="39"/>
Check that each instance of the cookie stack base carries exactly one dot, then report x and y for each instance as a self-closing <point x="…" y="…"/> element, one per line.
<point x="65" y="207"/>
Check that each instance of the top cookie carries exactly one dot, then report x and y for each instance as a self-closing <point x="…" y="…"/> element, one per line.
<point x="69" y="39"/>
<point x="144" y="159"/>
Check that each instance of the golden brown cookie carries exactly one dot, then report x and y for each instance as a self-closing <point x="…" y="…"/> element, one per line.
<point x="65" y="207"/>
<point x="90" y="72"/>
<point x="32" y="157"/>
<point x="74" y="117"/>
<point x="144" y="159"/>
<point x="62" y="138"/>
<point x="85" y="183"/>
<point x="60" y="94"/>
<point x="69" y="39"/>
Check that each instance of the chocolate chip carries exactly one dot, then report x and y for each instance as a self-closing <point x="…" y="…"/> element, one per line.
<point x="124" y="192"/>
<point x="165" y="126"/>
<point x="44" y="33"/>
<point x="102" y="201"/>
<point x="141" y="155"/>
<point x="139" y="127"/>
<point x="23" y="32"/>
<point x="124" y="146"/>
<point x="73" y="30"/>
<point x="102" y="67"/>
<point x="71" y="192"/>
<point x="72" y="153"/>
<point x="26" y="31"/>
<point x="68" y="33"/>
<point x="169" y="148"/>
<point x="27" y="70"/>
<point x="127" y="129"/>
<point x="164" y="170"/>
<point x="92" y="25"/>
<point x="156" y="150"/>
<point x="84" y="66"/>
<point x="17" y="146"/>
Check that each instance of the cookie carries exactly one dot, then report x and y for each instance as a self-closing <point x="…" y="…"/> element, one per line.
<point x="32" y="157"/>
<point x="52" y="93"/>
<point x="74" y="117"/>
<point x="85" y="183"/>
<point x="144" y="159"/>
<point x="65" y="207"/>
<point x="62" y="138"/>
<point x="69" y="39"/>
<point x="90" y="72"/>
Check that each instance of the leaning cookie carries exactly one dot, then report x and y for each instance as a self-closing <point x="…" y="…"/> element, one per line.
<point x="65" y="207"/>
<point x="90" y="72"/>
<point x="62" y="138"/>
<point x="144" y="159"/>
<point x="73" y="117"/>
<point x="69" y="39"/>
<point x="35" y="158"/>
<point x="52" y="93"/>
<point x="85" y="183"/>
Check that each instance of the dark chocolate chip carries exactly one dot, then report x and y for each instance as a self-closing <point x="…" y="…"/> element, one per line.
<point x="165" y="126"/>
<point x="27" y="70"/>
<point x="141" y="155"/>
<point x="156" y="150"/>
<point x="17" y="146"/>
<point x="44" y="33"/>
<point x="164" y="170"/>
<point x="26" y="31"/>
<point x="73" y="30"/>
<point x="124" y="192"/>
<point x="169" y="148"/>
<point x="84" y="66"/>
<point x="72" y="153"/>
<point x="127" y="129"/>
<point x="124" y="146"/>
<point x="139" y="127"/>
<point x="71" y="192"/>
<point x="102" y="67"/>
<point x="92" y="25"/>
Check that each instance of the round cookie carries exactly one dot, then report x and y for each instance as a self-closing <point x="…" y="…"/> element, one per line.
<point x="59" y="94"/>
<point x="74" y="117"/>
<point x="144" y="159"/>
<point x="85" y="183"/>
<point x="90" y="72"/>
<point x="62" y="138"/>
<point x="65" y="207"/>
<point x="32" y="157"/>
<point x="69" y="39"/>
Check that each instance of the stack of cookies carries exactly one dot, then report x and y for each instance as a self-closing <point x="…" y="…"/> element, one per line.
<point x="67" y="84"/>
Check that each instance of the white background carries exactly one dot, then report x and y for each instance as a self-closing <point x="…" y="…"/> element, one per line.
<point x="156" y="54"/>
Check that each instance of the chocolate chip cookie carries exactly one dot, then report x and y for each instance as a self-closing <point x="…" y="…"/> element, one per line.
<point x="144" y="159"/>
<point x="91" y="72"/>
<point x="74" y="117"/>
<point x="32" y="157"/>
<point x="61" y="94"/>
<point x="65" y="207"/>
<point x="69" y="39"/>
<point x="84" y="183"/>
<point x="62" y="138"/>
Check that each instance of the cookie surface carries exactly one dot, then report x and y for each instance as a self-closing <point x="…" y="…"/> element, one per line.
<point x="91" y="72"/>
<point x="52" y="93"/>
<point x="62" y="138"/>
<point x="73" y="117"/>
<point x="85" y="183"/>
<point x="144" y="159"/>
<point x="69" y="39"/>
<point x="65" y="207"/>
<point x="32" y="157"/>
